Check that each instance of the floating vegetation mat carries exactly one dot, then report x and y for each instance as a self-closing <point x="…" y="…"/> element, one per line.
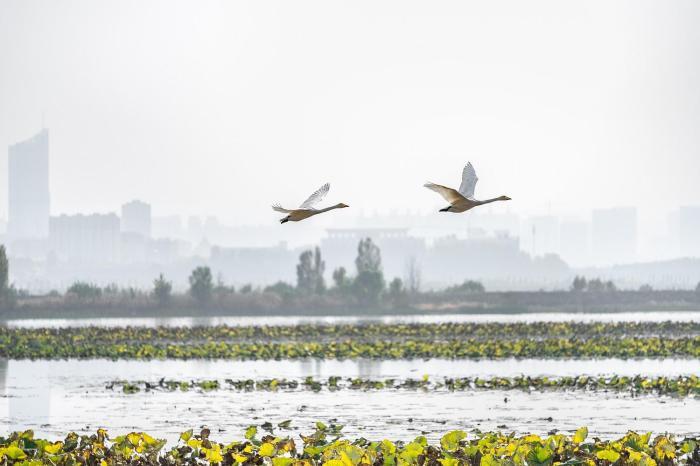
<point x="637" y="385"/>
<point x="327" y="447"/>
<point x="357" y="332"/>
<point x="55" y="346"/>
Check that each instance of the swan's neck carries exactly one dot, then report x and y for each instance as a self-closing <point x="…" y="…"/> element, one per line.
<point x="320" y="211"/>
<point x="488" y="201"/>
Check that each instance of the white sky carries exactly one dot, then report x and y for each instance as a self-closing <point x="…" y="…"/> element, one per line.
<point x="223" y="107"/>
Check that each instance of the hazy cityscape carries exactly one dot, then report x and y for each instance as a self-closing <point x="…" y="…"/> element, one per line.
<point x="128" y="247"/>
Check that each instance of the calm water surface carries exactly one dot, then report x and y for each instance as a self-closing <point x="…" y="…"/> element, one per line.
<point x="678" y="316"/>
<point x="53" y="397"/>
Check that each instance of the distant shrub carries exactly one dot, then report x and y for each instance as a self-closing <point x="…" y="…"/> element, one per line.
<point x="469" y="286"/>
<point x="84" y="290"/>
<point x="281" y="289"/>
<point x="246" y="289"/>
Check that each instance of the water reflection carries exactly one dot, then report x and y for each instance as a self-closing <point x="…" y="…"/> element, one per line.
<point x="678" y="316"/>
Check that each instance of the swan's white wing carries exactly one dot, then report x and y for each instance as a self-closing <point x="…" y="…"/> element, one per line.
<point x="449" y="194"/>
<point x="469" y="180"/>
<point x="279" y="208"/>
<point x="316" y="197"/>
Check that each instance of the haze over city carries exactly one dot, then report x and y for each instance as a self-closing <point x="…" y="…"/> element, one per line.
<point x="212" y="112"/>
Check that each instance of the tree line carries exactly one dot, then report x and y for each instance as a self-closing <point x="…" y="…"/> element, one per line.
<point x="365" y="286"/>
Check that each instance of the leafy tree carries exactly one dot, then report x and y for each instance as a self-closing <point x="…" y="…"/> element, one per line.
<point x="469" y="286"/>
<point x="248" y="288"/>
<point x="343" y="285"/>
<point x="341" y="280"/>
<point x="646" y="288"/>
<point x="610" y="286"/>
<point x="369" y="283"/>
<point x="396" y="289"/>
<point x="369" y="257"/>
<point x="201" y="284"/>
<point x="162" y="290"/>
<point x="8" y="293"/>
<point x="310" y="272"/>
<point x="596" y="285"/>
<point x="579" y="284"/>
<point x="85" y="290"/>
<point x="4" y="277"/>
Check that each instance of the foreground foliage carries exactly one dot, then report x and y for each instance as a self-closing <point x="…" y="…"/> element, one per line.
<point x="637" y="385"/>
<point x="326" y="446"/>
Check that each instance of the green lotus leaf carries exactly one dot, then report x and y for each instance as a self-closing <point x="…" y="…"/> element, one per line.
<point x="608" y="454"/>
<point x="250" y="432"/>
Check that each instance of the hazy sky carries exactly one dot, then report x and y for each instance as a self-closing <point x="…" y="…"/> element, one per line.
<point x="223" y="107"/>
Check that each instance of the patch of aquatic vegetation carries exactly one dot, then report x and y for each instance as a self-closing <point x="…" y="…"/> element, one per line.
<point x="326" y="446"/>
<point x="54" y="347"/>
<point x="357" y="332"/>
<point x="676" y="386"/>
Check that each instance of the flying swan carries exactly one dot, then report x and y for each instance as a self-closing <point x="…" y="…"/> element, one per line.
<point x="462" y="200"/>
<point x="306" y="209"/>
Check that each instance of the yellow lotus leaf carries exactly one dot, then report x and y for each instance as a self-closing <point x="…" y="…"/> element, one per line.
<point x="663" y="448"/>
<point x="53" y="448"/>
<point x="580" y="435"/>
<point x="266" y="449"/>
<point x="608" y="454"/>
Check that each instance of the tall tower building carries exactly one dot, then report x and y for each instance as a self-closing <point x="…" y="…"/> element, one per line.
<point x="29" y="200"/>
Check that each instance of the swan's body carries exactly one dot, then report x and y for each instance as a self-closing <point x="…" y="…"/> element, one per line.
<point x="306" y="209"/>
<point x="462" y="200"/>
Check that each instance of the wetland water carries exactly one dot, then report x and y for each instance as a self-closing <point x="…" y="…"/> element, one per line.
<point x="676" y="316"/>
<point x="54" y="397"/>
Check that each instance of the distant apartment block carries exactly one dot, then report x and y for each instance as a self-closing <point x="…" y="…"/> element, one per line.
<point x="540" y="235"/>
<point x="136" y="218"/>
<point x="453" y="260"/>
<point x="574" y="243"/>
<point x="28" y="196"/>
<point x="85" y="238"/>
<point x="339" y="248"/>
<point x="614" y="235"/>
<point x="689" y="231"/>
<point x="255" y="265"/>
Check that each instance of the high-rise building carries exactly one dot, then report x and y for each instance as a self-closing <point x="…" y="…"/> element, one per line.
<point x="136" y="218"/>
<point x="29" y="200"/>
<point x="689" y="231"/>
<point x="614" y="235"/>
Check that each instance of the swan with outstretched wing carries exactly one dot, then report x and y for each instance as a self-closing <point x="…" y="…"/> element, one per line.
<point x="462" y="200"/>
<point x="306" y="209"/>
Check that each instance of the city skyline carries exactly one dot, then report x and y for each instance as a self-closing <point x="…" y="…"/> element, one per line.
<point x="607" y="237"/>
<point x="561" y="120"/>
